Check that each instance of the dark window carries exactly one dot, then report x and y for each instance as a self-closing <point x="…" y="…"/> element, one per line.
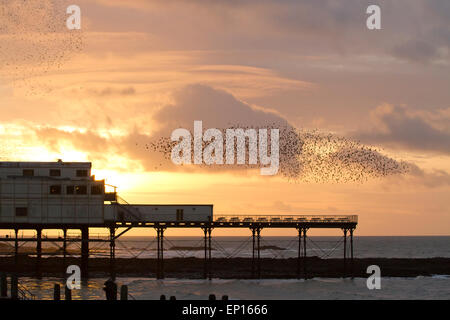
<point x="82" y="173"/>
<point x="179" y="214"/>
<point x="81" y="190"/>
<point x="21" y="212"/>
<point x="28" y="172"/>
<point x="70" y="189"/>
<point x="55" y="173"/>
<point x="56" y="189"/>
<point x="97" y="189"/>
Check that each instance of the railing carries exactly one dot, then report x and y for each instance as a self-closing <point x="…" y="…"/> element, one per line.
<point x="287" y="218"/>
<point x="75" y="236"/>
<point x="69" y="236"/>
<point x="131" y="211"/>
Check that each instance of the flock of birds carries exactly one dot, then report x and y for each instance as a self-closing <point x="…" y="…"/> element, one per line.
<point x="34" y="41"/>
<point x="332" y="158"/>
<point x="312" y="156"/>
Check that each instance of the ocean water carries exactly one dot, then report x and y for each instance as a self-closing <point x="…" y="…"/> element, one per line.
<point x="436" y="287"/>
<point x="271" y="247"/>
<point x="282" y="247"/>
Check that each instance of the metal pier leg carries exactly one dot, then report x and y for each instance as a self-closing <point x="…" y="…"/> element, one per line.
<point x="158" y="263"/>
<point x="351" y="252"/>
<point x="64" y="250"/>
<point x="253" y="252"/>
<point x="299" y="251"/>
<point x="38" y="250"/>
<point x="84" y="252"/>
<point x="305" y="276"/>
<point x="209" y="254"/>
<point x="112" y="253"/>
<point x="161" y="232"/>
<point x="16" y="247"/>
<point x="205" y="266"/>
<point x="258" y="237"/>
<point x="345" y="253"/>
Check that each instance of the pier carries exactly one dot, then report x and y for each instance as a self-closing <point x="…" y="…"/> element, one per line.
<point x="256" y="224"/>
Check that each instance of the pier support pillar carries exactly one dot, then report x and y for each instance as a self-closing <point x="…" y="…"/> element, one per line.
<point x="16" y="247"/>
<point x="345" y="252"/>
<point x="112" y="253"/>
<point x="299" y="253"/>
<point x="84" y="252"/>
<point x="160" y="252"/>
<point x="209" y="254"/>
<point x="57" y="292"/>
<point x="124" y="292"/>
<point x="3" y="285"/>
<point x="351" y="252"/>
<point x="38" y="251"/>
<point x="305" y="275"/>
<point x="14" y="287"/>
<point x="205" y="262"/>
<point x="158" y="249"/>
<point x="258" y="244"/>
<point x="207" y="269"/>
<point x="253" y="251"/>
<point x="67" y="293"/>
<point x="64" y="250"/>
<point x="256" y="251"/>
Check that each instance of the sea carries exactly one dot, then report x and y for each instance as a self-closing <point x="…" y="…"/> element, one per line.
<point x="430" y="287"/>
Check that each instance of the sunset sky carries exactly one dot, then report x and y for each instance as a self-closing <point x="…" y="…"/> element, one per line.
<point x="139" y="69"/>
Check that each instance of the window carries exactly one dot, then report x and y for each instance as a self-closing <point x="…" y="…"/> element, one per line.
<point x="97" y="189"/>
<point x="179" y="214"/>
<point x="21" y="212"/>
<point x="70" y="189"/>
<point x="28" y="172"/>
<point x="82" y="173"/>
<point x="56" y="189"/>
<point x="55" y="173"/>
<point x="81" y="190"/>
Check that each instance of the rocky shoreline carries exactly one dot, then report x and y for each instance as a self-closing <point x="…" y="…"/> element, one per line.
<point x="232" y="268"/>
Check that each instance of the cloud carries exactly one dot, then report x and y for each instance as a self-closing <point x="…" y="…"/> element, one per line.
<point x="321" y="27"/>
<point x="89" y="141"/>
<point x="108" y="91"/>
<point x="418" y="50"/>
<point x="216" y="108"/>
<point x="419" y="177"/>
<point x="304" y="155"/>
<point x="398" y="127"/>
<point x="432" y="179"/>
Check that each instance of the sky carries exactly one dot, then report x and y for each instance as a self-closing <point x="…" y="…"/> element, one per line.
<point x="138" y="69"/>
